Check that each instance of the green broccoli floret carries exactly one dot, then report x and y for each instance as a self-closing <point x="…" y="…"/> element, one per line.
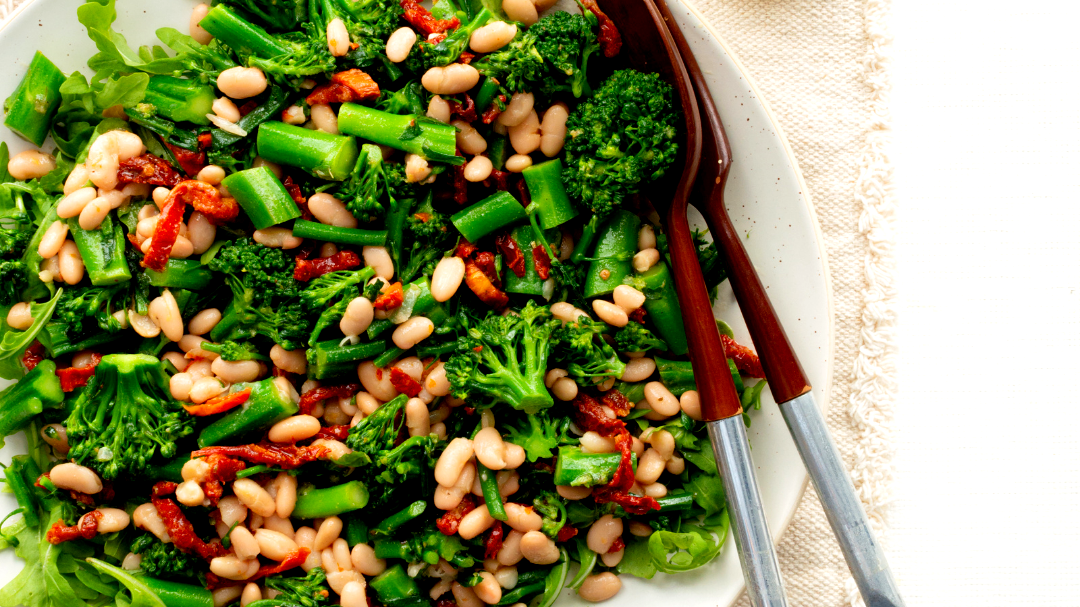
<point x="301" y="52"/>
<point x="406" y="100"/>
<point x="13" y="242"/>
<point x="432" y="234"/>
<point x="367" y="186"/>
<point x="518" y="65"/>
<point x="164" y="561"/>
<point x="126" y="417"/>
<point x="581" y="346"/>
<point x="373" y="18"/>
<point x="329" y="295"/>
<point x="406" y="466"/>
<point x="634" y="337"/>
<point x="620" y="139"/>
<point x="425" y="55"/>
<point x="81" y="315"/>
<point x="36" y="391"/>
<point x="505" y="357"/>
<point x="276" y="15"/>
<point x="307" y="591"/>
<point x="232" y="350"/>
<point x="552" y="508"/>
<point x="566" y="41"/>
<point x="369" y="23"/>
<point x="428" y="546"/>
<point x="13" y="281"/>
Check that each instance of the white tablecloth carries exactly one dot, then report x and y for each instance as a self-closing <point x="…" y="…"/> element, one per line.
<point x="987" y="156"/>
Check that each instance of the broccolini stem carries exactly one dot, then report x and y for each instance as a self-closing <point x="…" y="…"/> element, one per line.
<point x="181" y="274"/>
<point x="409" y="133"/>
<point x="391" y="523"/>
<point x="394" y="586"/>
<point x="262" y="196"/>
<point x="576" y="469"/>
<point x="241" y="35"/>
<point x="546" y="190"/>
<point x="331" y="501"/>
<point x="614" y="249"/>
<point x="102" y="251"/>
<point x="176" y="594"/>
<point x="664" y="311"/>
<point x="179" y="99"/>
<point x="521" y="592"/>
<point x="303" y="228"/>
<point x="585" y="243"/>
<point x="390" y="355"/>
<point x="489" y="484"/>
<point x="31" y="108"/>
<point x="270" y="402"/>
<point x="496" y="211"/>
<point x="275" y="102"/>
<point x="328" y="358"/>
<point x="19" y="477"/>
<point x="330" y="157"/>
<point x="356" y="531"/>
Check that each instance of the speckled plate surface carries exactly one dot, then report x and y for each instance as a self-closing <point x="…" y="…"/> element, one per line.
<point x="766" y="197"/>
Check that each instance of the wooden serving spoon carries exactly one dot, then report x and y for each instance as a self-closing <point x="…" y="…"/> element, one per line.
<point x="652" y="49"/>
<point x="785" y="375"/>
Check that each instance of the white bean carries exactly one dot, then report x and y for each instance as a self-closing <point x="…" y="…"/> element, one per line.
<point x="594" y="443"/>
<point x="603" y="533"/>
<point x="490" y="449"/>
<point x="600" y="587"/>
<point x="274" y="545"/>
<point x="147" y="518"/>
<point x="329" y="530"/>
<point x="565" y="389"/>
<point x="417" y="417"/>
<point x="232" y="568"/>
<point x="182" y="248"/>
<point x="251" y="593"/>
<point x="488" y="590"/>
<point x="76" y="179"/>
<point x="522" y="518"/>
<point x="517" y="110"/>
<point x="399" y="44"/>
<point x="573" y="493"/>
<point x="201" y="232"/>
<point x="452" y="79"/>
<point x="690" y="403"/>
<point x="242" y="82"/>
<point x="129" y="145"/>
<point x="331" y="211"/>
<point x="337" y="38"/>
<point x="165" y="313"/>
<point x="20" y="317"/>
<point x="56" y="436"/>
<point x="518" y="163"/>
<point x="469" y="139"/>
<point x="324" y="118"/>
<point x="294" y="429"/>
<point x="76" y="478"/>
<point x="478" y="169"/>
<point x="650" y="467"/>
<point x="412" y="332"/>
<point x="225" y="109"/>
<point x="293" y="361"/>
<point x="236" y="371"/>
<point x="203" y="322"/>
<point x="475" y="522"/>
<point x="354" y="594"/>
<point x="376" y="381"/>
<point x="416" y="168"/>
<point x="610" y="313"/>
<point x="103" y="159"/>
<point x="628" y="298"/>
<point x="660" y="399"/>
<point x="180" y="386"/>
<point x="277" y="238"/>
<point x="646" y="238"/>
<point x="357" y="317"/>
<point x="645" y="259"/>
<point x="211" y="174"/>
<point x="71" y="263"/>
<point x="189" y="493"/>
<point x="638" y="369"/>
<point x="538" y="548"/>
<point x="464" y="596"/>
<point x="30" y="164"/>
<point x="453" y="460"/>
<point x="553" y="129"/>
<point x="252" y="495"/>
<point x="436" y="382"/>
<point x="523" y="11"/>
<point x="525" y="137"/>
<point x="492" y="37"/>
<point x="225" y="595"/>
<point x="447" y="278"/>
<point x="438" y="108"/>
<point x="197" y="32"/>
<point x="206" y="388"/>
<point x="294" y="115"/>
<point x="75" y="202"/>
<point x="379" y="258"/>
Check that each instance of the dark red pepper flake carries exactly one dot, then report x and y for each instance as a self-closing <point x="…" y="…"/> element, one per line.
<point x="541" y="261"/>
<point x="460" y="184"/>
<point x="404" y="382"/>
<point x="617" y="545"/>
<point x="493" y="541"/>
<point x="307" y="269"/>
<point x="493" y="110"/>
<point x="638" y="316"/>
<point x="314" y="395"/>
<point x="334" y="432"/>
<point x="566" y="533"/>
<point x="512" y="255"/>
<point x="449" y="521"/>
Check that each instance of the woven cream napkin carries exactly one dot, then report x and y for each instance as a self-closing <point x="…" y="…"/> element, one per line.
<point x="822" y="65"/>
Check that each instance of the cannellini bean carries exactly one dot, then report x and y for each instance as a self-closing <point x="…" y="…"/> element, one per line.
<point x="129" y="145"/>
<point x="165" y="313"/>
<point x="324" y="118"/>
<point x="603" y="533"/>
<point x="146" y="517"/>
<point x="438" y="108"/>
<point x="538" y="548"/>
<point x="294" y="115"/>
<point x="357" y="317"/>
<point x="354" y="594"/>
<point x="656" y="490"/>
<point x="663" y="442"/>
<point x="379" y="258"/>
<point x="566" y="312"/>
<point x="676" y="465"/>
<point x="464" y="596"/>
<point x="131" y="562"/>
<point x="197" y="32"/>
<point x="453" y="460"/>
<point x="203" y="322"/>
<point x="294" y="429"/>
<point x="492" y="37"/>
<point x="447" y="498"/>
<point x="650" y="467"/>
<point x="201" y="233"/>
<point x="522" y="518"/>
<point x="111" y="520"/>
<point x="638" y="369"/>
<point x="19" y="317"/>
<point x="337" y="580"/>
<point x="30" y="164"/>
<point x="252" y="495"/>
<point x="490" y="449"/>
<point x="329" y="530"/>
<point x="436" y="382"/>
<point x="488" y="590"/>
<point x="525" y="137"/>
<point x="412" y="332"/>
<point x="225" y="109"/>
<point x="416" y="417"/>
<point x="660" y="399"/>
<point x="180" y="386"/>
<point x="416" y="168"/>
<point x="199" y="369"/>
<point x="517" y="110"/>
<point x="337" y="38"/>
<point x="507" y="577"/>
<point x="56" y="437"/>
<point x="232" y="568"/>
<point x="143" y="325"/>
<point x="553" y="129"/>
<point x="364" y="560"/>
<point x="553" y="375"/>
<point x="646" y="238"/>
<point x="274" y="545"/>
<point x="77" y="179"/>
<point x="518" y="163"/>
<point x="469" y="139"/>
<point x="610" y="313"/>
<point x="228" y="594"/>
<point x="640" y="529"/>
<point x="645" y="259"/>
<point x="189" y="344"/>
<point x="475" y="522"/>
<point x="242" y="82"/>
<point x="251" y="593"/>
<point x="182" y="248"/>
<point x="565" y="389"/>
<point x="376" y="382"/>
<point x="600" y="587"/>
<point x="478" y="169"/>
<point x="103" y="159"/>
<point x="628" y="298"/>
<point x="331" y="211"/>
<point x="523" y="11"/>
<point x="189" y="493"/>
<point x="452" y="79"/>
<point x="211" y="173"/>
<point x="447" y="278"/>
<point x="293" y="361"/>
<point x="399" y="45"/>
<point x="594" y="443"/>
<point x="71" y="263"/>
<point x="73" y="204"/>
<point x="690" y="403"/>
<point x="195" y="470"/>
<point x="510" y="553"/>
<point x="236" y="371"/>
<point x="573" y="493"/>
<point x="515" y="456"/>
<point x="277" y="238"/>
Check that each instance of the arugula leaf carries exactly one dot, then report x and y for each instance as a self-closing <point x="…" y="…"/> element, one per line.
<point x="673" y="552"/>
<point x="708" y="492"/>
<point x="636" y="560"/>
<point x="141" y="594"/>
<point x="98" y="16"/>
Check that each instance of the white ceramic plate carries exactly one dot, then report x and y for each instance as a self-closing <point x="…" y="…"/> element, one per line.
<point x="766" y="197"/>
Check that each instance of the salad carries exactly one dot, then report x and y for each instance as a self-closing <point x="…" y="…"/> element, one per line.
<point x="349" y="301"/>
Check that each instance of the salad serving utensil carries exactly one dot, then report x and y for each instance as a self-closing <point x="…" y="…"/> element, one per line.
<point x="654" y="50"/>
<point x="785" y="375"/>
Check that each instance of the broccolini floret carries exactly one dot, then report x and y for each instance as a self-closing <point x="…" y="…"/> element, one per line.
<point x="276" y="15"/>
<point x="620" y="139"/>
<point x="306" y="591"/>
<point x="408" y="464"/>
<point x="164" y="561"/>
<point x="426" y="55"/>
<point x="581" y="346"/>
<point x="505" y="357"/>
<point x="634" y="337"/>
<point x="126" y="417"/>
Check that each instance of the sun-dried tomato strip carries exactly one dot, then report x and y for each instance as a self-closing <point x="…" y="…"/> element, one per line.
<point x="466" y="57"/>
<point x="493" y="541"/>
<point x="391" y="299"/>
<point x="638" y="316"/>
<point x="609" y="38"/>
<point x="589" y="414"/>
<point x="166" y="231"/>
<point x="77" y="377"/>
<point x="33" y="355"/>
<point x="297" y="196"/>
<point x="182" y="533"/>
<point x="314" y="395"/>
<point x="190" y="162"/>
<point x="623" y="479"/>
<point x="291" y="561"/>
<point x="307" y="269"/>
<point x="465" y="249"/>
<point x="288" y="457"/>
<point x="566" y="533"/>
<point x="86" y="529"/>
<point x="422" y="19"/>
<point x="148" y="169"/>
<point x="498" y="180"/>
<point x="449" y="521"/>
<point x="347" y="86"/>
<point x="219" y="404"/>
<point x="512" y="255"/>
<point x="634" y="504"/>
<point x="222" y="469"/>
<point x="479" y="283"/>
<point x="493" y="110"/>
<point x="746" y="360"/>
<point x="404" y="382"/>
<point x="542" y="261"/>
<point x="617" y="402"/>
<point x="465" y="111"/>
<point x="523" y="193"/>
<point x="334" y="432"/>
<point x="486" y="262"/>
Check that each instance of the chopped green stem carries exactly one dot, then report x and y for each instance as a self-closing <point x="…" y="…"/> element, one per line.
<point x="409" y="133"/>
<point x="329" y="359"/>
<point x="102" y="251"/>
<point x="520" y="593"/>
<point x="31" y="108"/>
<point x="180" y="274"/>
<point x="175" y="594"/>
<point x="331" y="501"/>
<point x="489" y="484"/>
<point x="634" y="392"/>
<point x="391" y="523"/>
<point x="496" y="211"/>
<point x="546" y="190"/>
<point x="614" y="250"/>
<point x="489" y="89"/>
<point x="499" y="150"/>
<point x="271" y="108"/>
<point x="530" y="283"/>
<point x="181" y="138"/>
<point x="241" y="35"/>
<point x="36" y="390"/>
<point x="303" y="228"/>
<point x="326" y="156"/>
<point x="171" y="471"/>
<point x="676" y="500"/>
<point x="585" y="243"/>
<point x="19" y="477"/>
<point x="437" y="350"/>
<point x="262" y="196"/>
<point x="662" y="306"/>
<point x="270" y="402"/>
<point x="390" y="355"/>
<point x="577" y="469"/>
<point x="394" y="585"/>
<point x="179" y="99"/>
<point x="356" y="531"/>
